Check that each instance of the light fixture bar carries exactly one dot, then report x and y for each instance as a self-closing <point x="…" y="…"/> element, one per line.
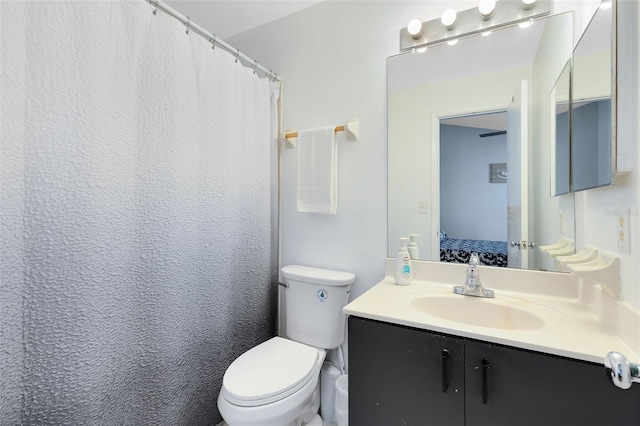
<point x="470" y="22"/>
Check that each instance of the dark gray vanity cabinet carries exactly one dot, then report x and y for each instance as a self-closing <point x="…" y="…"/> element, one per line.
<point x="509" y="386"/>
<point x="405" y="377"/>
<point x="396" y="378"/>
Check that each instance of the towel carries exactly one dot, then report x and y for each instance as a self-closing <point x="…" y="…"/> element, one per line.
<point x="317" y="171"/>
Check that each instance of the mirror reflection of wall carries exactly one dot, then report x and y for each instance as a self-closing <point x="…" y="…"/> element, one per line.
<point x="592" y="145"/>
<point x="479" y="74"/>
<point x="560" y="147"/>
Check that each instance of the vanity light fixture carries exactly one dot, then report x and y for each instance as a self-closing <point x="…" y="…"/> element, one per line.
<point x="449" y="18"/>
<point x="489" y="15"/>
<point x="528" y="4"/>
<point x="486" y="8"/>
<point x="415" y="29"/>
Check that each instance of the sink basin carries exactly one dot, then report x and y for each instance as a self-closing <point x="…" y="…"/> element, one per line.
<point x="480" y="312"/>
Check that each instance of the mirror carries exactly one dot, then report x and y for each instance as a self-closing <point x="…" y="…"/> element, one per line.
<point x="477" y="76"/>
<point x="560" y="149"/>
<point x="592" y="145"/>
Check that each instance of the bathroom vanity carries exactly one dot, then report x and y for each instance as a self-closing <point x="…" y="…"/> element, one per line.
<point x="421" y="355"/>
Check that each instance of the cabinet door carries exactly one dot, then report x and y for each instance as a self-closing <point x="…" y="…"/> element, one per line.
<point x="527" y="388"/>
<point x="398" y="376"/>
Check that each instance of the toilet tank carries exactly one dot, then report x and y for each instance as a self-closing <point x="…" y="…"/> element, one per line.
<point x="313" y="301"/>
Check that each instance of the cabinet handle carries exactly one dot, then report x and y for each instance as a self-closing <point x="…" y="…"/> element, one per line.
<point x="485" y="369"/>
<point x="445" y="375"/>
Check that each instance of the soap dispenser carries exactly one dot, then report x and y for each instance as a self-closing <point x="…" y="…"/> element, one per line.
<point x="404" y="272"/>
<point x="413" y="247"/>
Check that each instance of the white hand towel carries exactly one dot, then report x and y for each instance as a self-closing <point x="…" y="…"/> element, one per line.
<point x="317" y="171"/>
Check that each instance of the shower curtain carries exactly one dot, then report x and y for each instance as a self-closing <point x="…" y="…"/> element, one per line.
<point x="137" y="215"/>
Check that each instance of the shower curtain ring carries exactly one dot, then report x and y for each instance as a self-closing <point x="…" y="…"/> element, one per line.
<point x="255" y="65"/>
<point x="213" y="42"/>
<point x="155" y="9"/>
<point x="237" y="54"/>
<point x="187" y="24"/>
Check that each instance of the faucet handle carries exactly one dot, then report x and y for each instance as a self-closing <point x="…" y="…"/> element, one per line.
<point x="474" y="260"/>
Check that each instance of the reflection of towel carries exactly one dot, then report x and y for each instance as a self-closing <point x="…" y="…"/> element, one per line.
<point x="317" y="171"/>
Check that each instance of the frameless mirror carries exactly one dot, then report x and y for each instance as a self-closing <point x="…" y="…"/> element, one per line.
<point x="593" y="112"/>
<point x="560" y="150"/>
<point x="431" y="97"/>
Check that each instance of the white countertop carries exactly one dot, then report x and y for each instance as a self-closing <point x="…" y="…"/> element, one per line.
<point x="568" y="328"/>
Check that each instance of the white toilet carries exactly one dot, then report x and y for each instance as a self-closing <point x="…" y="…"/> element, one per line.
<point x="277" y="382"/>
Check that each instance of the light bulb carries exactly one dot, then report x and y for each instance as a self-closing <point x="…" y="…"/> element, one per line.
<point x="452" y="42"/>
<point x="415" y="28"/>
<point x="606" y="4"/>
<point x="525" y="24"/>
<point x="421" y="49"/>
<point x="486" y="33"/>
<point x="528" y="4"/>
<point x="486" y="8"/>
<point x="448" y="18"/>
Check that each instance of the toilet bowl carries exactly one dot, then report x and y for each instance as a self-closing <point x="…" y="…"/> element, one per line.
<point x="277" y="382"/>
<point x="274" y="384"/>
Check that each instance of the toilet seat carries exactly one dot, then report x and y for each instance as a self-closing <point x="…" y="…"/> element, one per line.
<point x="269" y="372"/>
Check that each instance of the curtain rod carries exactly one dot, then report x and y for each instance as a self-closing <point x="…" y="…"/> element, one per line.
<point x="186" y="21"/>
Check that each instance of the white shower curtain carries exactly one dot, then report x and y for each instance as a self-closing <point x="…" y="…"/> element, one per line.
<point x="136" y="215"/>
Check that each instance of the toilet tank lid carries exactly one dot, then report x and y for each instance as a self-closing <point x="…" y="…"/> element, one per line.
<point x="318" y="275"/>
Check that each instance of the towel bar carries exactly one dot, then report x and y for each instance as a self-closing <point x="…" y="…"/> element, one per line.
<point x="350" y="127"/>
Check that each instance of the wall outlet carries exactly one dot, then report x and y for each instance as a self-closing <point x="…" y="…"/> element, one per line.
<point x="623" y="227"/>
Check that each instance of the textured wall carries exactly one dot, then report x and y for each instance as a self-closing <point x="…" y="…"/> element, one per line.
<point x="137" y="257"/>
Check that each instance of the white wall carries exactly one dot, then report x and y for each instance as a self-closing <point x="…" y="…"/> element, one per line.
<point x="595" y="209"/>
<point x="332" y="58"/>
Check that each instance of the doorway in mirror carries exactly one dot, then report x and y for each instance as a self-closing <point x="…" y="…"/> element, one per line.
<point x="473" y="194"/>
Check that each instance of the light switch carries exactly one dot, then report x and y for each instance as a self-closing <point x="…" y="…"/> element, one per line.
<point x="423" y="207"/>
<point x="623" y="227"/>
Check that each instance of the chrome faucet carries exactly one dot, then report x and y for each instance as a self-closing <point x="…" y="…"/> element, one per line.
<point x="473" y="285"/>
<point x="622" y="372"/>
